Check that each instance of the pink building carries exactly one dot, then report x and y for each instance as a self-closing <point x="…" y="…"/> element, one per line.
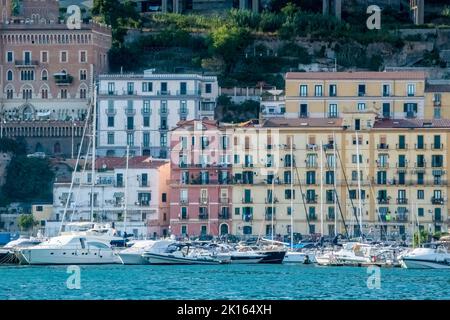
<point x="200" y="191"/>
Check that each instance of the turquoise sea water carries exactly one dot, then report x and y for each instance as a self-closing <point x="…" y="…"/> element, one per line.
<point x="221" y="282"/>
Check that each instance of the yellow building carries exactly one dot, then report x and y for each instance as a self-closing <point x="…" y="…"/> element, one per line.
<point x="369" y="151"/>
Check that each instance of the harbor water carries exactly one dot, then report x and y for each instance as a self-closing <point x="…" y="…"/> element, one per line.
<point x="223" y="282"/>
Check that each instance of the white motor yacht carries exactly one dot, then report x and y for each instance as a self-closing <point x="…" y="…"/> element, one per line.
<point x="299" y="257"/>
<point x="431" y="256"/>
<point x="7" y="255"/>
<point x="69" y="249"/>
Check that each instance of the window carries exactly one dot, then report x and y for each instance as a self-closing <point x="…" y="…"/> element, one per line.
<point x="381" y="177"/>
<point x="332" y="110"/>
<point x="355" y="157"/>
<point x="9" y="76"/>
<point x="420" y="194"/>
<point x="147" y="86"/>
<point x="130" y="123"/>
<point x="44" y="75"/>
<point x="329" y="177"/>
<point x="420" y="178"/>
<point x="111" y="88"/>
<point x="411" y="90"/>
<point x="333" y="90"/>
<point x="9" y="94"/>
<point x="437" y="142"/>
<point x="146" y="139"/>
<point x="146" y="121"/>
<point x="111" y="121"/>
<point x="10" y="56"/>
<point x="110" y="137"/>
<point x="410" y="109"/>
<point x="164" y="88"/>
<point x="63" y="93"/>
<point x="420" y="144"/>
<point x="437" y="113"/>
<point x="361" y="90"/>
<point x="130" y="138"/>
<point x="83" y="56"/>
<point x="287" y="194"/>
<point x="183" y="88"/>
<point x="44" y="56"/>
<point x="310" y="177"/>
<point x="83" y="93"/>
<point x="63" y="56"/>
<point x="44" y="94"/>
<point x="303" y="90"/>
<point x="361" y="106"/>
<point x="386" y="110"/>
<point x="437" y="161"/>
<point x="401" y="142"/>
<point x="83" y="74"/>
<point x="163" y="140"/>
<point x="144" y="180"/>
<point x="119" y="180"/>
<point x="420" y="212"/>
<point x="130" y="88"/>
<point x="318" y="90"/>
<point x="208" y="88"/>
<point x="303" y="110"/>
<point x="386" y="90"/>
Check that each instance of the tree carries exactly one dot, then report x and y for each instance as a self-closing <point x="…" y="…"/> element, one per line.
<point x="229" y="43"/>
<point x="15" y="146"/>
<point x="26" y="222"/>
<point x="28" y="179"/>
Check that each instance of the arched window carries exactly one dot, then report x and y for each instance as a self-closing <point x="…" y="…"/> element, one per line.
<point x="44" y="75"/>
<point x="9" y="76"/>
<point x="223" y="229"/>
<point x="57" y="148"/>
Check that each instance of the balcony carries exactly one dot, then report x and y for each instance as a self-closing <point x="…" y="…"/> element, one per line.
<point x="129" y="127"/>
<point x="26" y="63"/>
<point x="130" y="112"/>
<point x="288" y="146"/>
<point x="269" y="200"/>
<point x="383" y="165"/>
<point x="402" y="201"/>
<point x="410" y="114"/>
<point x="163" y="128"/>
<point x="383" y="200"/>
<point x="146" y="112"/>
<point x="184" y="201"/>
<point x="269" y="216"/>
<point x="163" y="111"/>
<point x="129" y="92"/>
<point x="247" y="217"/>
<point x="163" y="93"/>
<point x="311" y="165"/>
<point x="303" y="114"/>
<point x="312" y="217"/>
<point x="184" y="217"/>
<point x="311" y="146"/>
<point x="247" y="200"/>
<point x="382" y="146"/>
<point x="223" y="200"/>
<point x="437" y="218"/>
<point x="188" y="92"/>
<point x="330" y="217"/>
<point x="111" y="111"/>
<point x="402" y="218"/>
<point x="311" y="200"/>
<point x="420" y="164"/>
<point x="422" y="146"/>
<point x="224" y="216"/>
<point x="328" y="146"/>
<point x="63" y="79"/>
<point x="438" y="146"/>
<point x="438" y="201"/>
<point x="203" y="216"/>
<point x="203" y="200"/>
<point x="403" y="146"/>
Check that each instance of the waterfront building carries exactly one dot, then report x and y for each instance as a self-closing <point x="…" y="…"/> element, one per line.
<point x="47" y="71"/>
<point x="139" y="110"/>
<point x="138" y="194"/>
<point x="200" y="190"/>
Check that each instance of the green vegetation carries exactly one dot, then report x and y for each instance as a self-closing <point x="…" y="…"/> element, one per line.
<point x="13" y="146"/>
<point x="26" y="222"/>
<point x="227" y="111"/>
<point x="27" y="180"/>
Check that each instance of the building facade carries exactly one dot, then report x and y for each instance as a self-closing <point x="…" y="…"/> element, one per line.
<point x="200" y="190"/>
<point x="138" y="194"/>
<point x="140" y="110"/>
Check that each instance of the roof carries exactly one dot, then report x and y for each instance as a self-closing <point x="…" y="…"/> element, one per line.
<point x="437" y="88"/>
<point x="359" y="75"/>
<point x="302" y="122"/>
<point x="411" y="123"/>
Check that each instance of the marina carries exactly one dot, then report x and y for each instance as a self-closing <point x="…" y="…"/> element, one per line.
<point x="256" y="281"/>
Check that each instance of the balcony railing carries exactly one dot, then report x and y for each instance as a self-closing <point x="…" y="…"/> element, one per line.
<point x="383" y="200"/>
<point x="130" y="112"/>
<point x="247" y="217"/>
<point x="382" y="146"/>
<point x="111" y="111"/>
<point x="26" y="63"/>
<point x="247" y="200"/>
<point x="422" y="146"/>
<point x="203" y="216"/>
<point x="203" y="200"/>
<point x="269" y="200"/>
<point x="312" y="217"/>
<point x="402" y="218"/>
<point x="402" y="201"/>
<point x="268" y="216"/>
<point x="437" y="218"/>
<point x="311" y="200"/>
<point x="163" y="93"/>
<point x="330" y="217"/>
<point x="184" y="217"/>
<point x="403" y="146"/>
<point x="438" y="146"/>
<point x="435" y="200"/>
<point x="129" y="92"/>
<point x="224" y="200"/>
<point x="63" y="79"/>
<point x="224" y="216"/>
<point x="184" y="201"/>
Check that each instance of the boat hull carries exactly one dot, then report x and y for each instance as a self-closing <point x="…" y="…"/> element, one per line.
<point x="299" y="258"/>
<point x="414" y="263"/>
<point x="66" y="256"/>
<point x="132" y="258"/>
<point x="272" y="257"/>
<point x="160" y="259"/>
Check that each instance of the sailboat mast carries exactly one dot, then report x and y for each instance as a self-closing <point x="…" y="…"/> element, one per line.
<point x="321" y="188"/>
<point x="359" y="183"/>
<point x="334" y="182"/>
<point x="126" y="192"/>
<point x="273" y="207"/>
<point x="292" y="195"/>
<point x="94" y="145"/>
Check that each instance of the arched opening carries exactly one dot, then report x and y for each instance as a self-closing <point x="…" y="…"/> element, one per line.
<point x="223" y="229"/>
<point x="39" y="147"/>
<point x="27" y="113"/>
<point x="56" y="148"/>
